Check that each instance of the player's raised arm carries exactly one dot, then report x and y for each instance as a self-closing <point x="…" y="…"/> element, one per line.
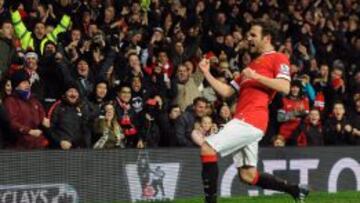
<point x="277" y="84"/>
<point x="223" y="89"/>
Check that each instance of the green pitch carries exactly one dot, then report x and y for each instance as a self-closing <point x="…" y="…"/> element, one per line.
<point x="315" y="197"/>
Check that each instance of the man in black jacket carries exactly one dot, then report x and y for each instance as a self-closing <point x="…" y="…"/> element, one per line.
<point x="70" y="127"/>
<point x="185" y="123"/>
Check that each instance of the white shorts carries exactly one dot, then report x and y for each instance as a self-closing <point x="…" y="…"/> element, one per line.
<point x="240" y="139"/>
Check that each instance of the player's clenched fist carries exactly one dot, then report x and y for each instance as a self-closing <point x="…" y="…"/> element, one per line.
<point x="204" y="65"/>
<point x="250" y="73"/>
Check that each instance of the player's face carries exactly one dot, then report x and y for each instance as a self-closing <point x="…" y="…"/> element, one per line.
<point x="255" y="39"/>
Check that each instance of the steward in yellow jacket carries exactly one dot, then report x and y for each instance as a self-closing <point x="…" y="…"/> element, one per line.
<point x="36" y="41"/>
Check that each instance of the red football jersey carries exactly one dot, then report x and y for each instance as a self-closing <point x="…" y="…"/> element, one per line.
<point x="254" y="98"/>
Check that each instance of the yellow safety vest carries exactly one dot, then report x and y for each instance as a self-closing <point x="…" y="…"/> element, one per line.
<point x="27" y="40"/>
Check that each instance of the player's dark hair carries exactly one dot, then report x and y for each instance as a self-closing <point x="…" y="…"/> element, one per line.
<point x="267" y="28"/>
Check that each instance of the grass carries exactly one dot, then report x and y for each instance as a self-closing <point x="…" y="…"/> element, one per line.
<point x="316" y="197"/>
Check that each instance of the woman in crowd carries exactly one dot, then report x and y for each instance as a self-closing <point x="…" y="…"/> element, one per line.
<point x="108" y="130"/>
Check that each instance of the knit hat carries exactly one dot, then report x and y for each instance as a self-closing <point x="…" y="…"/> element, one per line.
<point x="31" y="54"/>
<point x="71" y="85"/>
<point x="18" y="77"/>
<point x="158" y="29"/>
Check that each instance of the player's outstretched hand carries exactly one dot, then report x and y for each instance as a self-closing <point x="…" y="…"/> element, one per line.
<point x="204" y="65"/>
<point x="250" y="73"/>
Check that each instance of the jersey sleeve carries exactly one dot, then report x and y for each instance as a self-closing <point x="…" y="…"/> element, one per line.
<point x="282" y="67"/>
<point x="235" y="83"/>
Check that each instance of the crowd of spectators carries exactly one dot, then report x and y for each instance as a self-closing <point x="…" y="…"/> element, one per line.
<point x="124" y="73"/>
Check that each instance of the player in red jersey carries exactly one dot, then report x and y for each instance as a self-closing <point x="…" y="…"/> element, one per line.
<point x="256" y="86"/>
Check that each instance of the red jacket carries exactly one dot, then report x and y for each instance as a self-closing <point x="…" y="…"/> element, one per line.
<point x="292" y="106"/>
<point x="23" y="116"/>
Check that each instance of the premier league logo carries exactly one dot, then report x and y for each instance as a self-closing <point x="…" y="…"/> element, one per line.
<point x="152" y="181"/>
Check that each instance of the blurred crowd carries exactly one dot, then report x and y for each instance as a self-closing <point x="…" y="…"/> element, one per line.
<point x="124" y="73"/>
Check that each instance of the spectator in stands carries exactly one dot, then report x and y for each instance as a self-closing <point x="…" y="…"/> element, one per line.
<point x="150" y="121"/>
<point x="337" y="83"/>
<point x="309" y="132"/>
<point x="32" y="69"/>
<point x="187" y="87"/>
<point x="70" y="127"/>
<point x="185" y="123"/>
<point x="5" y="91"/>
<point x="4" y="126"/>
<point x="26" y="115"/>
<point x="167" y="126"/>
<point x="108" y="133"/>
<point x="5" y="88"/>
<point x="133" y="68"/>
<point x="355" y="122"/>
<point x="7" y="48"/>
<point x="127" y="117"/>
<point x="140" y="94"/>
<point x="338" y="129"/>
<point x="294" y="108"/>
<point x="354" y="83"/>
<point x="164" y="64"/>
<point x="224" y="115"/>
<point x="202" y="129"/>
<point x="307" y="87"/>
<point x="82" y="77"/>
<point x="178" y="54"/>
<point x="36" y="40"/>
<point x="279" y="141"/>
<point x="4" y="12"/>
<point x="99" y="98"/>
<point x="157" y="41"/>
<point x="160" y="83"/>
<point x="322" y="87"/>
